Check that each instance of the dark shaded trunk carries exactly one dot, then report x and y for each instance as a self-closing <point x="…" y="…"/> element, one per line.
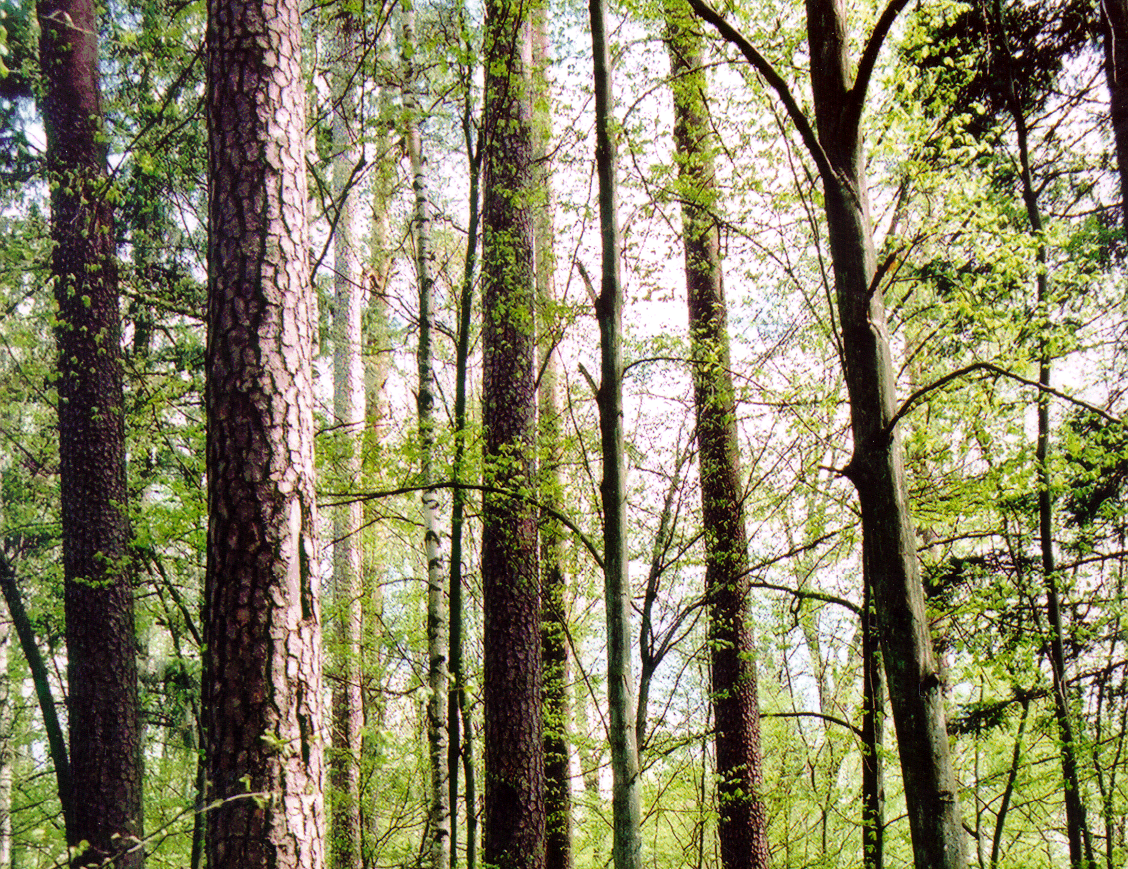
<point x="105" y="734"/>
<point x="1114" y="20"/>
<point x="262" y="687"/>
<point x="625" y="806"/>
<point x="514" y="747"/>
<point x="742" y="826"/>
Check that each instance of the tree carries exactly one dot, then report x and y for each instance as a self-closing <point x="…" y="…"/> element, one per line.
<point x="876" y="469"/>
<point x="262" y="692"/>
<point x="743" y="825"/>
<point x="514" y="822"/>
<point x="105" y="734"/>
<point x="348" y="413"/>
<point x="1114" y="19"/>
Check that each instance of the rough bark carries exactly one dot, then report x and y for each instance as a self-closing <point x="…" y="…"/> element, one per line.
<point x="262" y="688"/>
<point x="439" y="820"/>
<point x="348" y="420"/>
<point x="873" y="733"/>
<point x="625" y="807"/>
<point x="1114" y="19"/>
<point x="742" y="827"/>
<point x="105" y="735"/>
<point x="514" y="824"/>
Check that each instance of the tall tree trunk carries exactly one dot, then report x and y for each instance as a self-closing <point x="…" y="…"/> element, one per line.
<point x="554" y="628"/>
<point x="513" y="739"/>
<point x="458" y="705"/>
<point x="743" y="824"/>
<point x="348" y="419"/>
<point x="439" y="820"/>
<point x="6" y="754"/>
<point x="105" y="731"/>
<point x="626" y="811"/>
<point x="262" y="687"/>
<point x="1114" y="19"/>
<point x="1080" y="844"/>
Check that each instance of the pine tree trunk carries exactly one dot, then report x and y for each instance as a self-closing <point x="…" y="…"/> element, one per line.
<point x="439" y="821"/>
<point x="348" y="419"/>
<point x="514" y="824"/>
<point x="105" y="731"/>
<point x="262" y="686"/>
<point x="625" y="807"/>
<point x="743" y="823"/>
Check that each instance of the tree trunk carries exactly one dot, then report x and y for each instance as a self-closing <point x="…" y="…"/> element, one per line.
<point x="1114" y="19"/>
<point x="554" y="617"/>
<point x="626" y="811"/>
<point x="873" y="732"/>
<point x="439" y="820"/>
<point x="6" y="754"/>
<point x="105" y="731"/>
<point x="513" y="739"/>
<point x="262" y="688"/>
<point x="742" y="828"/>
<point x="916" y="687"/>
<point x="348" y="420"/>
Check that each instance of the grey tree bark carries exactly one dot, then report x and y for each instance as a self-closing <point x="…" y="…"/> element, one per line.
<point x="348" y="419"/>
<point x="625" y="807"/>
<point x="439" y="821"/>
<point x="262" y="686"/>
<point x="742" y="828"/>
<point x="104" y="721"/>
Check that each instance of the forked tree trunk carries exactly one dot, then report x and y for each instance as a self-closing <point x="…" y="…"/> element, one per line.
<point x="262" y="686"/>
<point x="105" y="731"/>
<point x="742" y="827"/>
<point x="625" y="807"/>
<point x="439" y="820"/>
<point x="348" y="419"/>
<point x="514" y="824"/>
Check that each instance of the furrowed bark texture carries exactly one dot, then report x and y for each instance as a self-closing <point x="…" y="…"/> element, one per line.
<point x="439" y="822"/>
<point x="1114" y="18"/>
<point x="915" y="684"/>
<point x="514" y="825"/>
<point x="262" y="670"/>
<point x="348" y="417"/>
<point x="742" y="828"/>
<point x="625" y="805"/>
<point x="105" y="743"/>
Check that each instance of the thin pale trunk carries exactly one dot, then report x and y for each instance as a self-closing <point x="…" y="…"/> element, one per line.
<point x="626" y="811"/>
<point x="438" y="643"/>
<point x="103" y="719"/>
<point x="348" y="414"/>
<point x="743" y="824"/>
<point x="514" y="734"/>
<point x="554" y="627"/>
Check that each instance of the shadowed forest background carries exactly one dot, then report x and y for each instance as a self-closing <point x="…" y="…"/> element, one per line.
<point x="538" y="437"/>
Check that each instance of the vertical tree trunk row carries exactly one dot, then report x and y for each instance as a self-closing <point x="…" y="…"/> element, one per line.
<point x="743" y="825"/>
<point x="262" y="686"/>
<point x="105" y="731"/>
